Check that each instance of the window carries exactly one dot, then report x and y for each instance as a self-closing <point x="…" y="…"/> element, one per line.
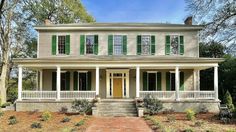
<point x="151" y="81"/>
<point x="118" y="44"/>
<point x="61" y="44"/>
<point x="145" y="44"/>
<point x="174" y="44"/>
<point x="172" y="81"/>
<point x="83" y="81"/>
<point x="89" y="44"/>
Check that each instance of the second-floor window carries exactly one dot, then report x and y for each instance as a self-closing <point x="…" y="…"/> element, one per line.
<point x="89" y="44"/>
<point x="146" y="45"/>
<point x="61" y="48"/>
<point x="118" y="44"/>
<point x="174" y="45"/>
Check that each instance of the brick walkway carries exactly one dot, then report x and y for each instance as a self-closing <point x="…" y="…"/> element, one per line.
<point x="118" y="124"/>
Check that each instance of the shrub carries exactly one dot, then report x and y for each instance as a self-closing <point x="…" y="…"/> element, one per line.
<point x="171" y="118"/>
<point x="46" y="116"/>
<point x="64" y="109"/>
<point x="82" y="106"/>
<point x="12" y="120"/>
<point x="188" y="130"/>
<point x="36" y="125"/>
<point x="80" y="123"/>
<point x="190" y="114"/>
<point x="203" y="109"/>
<point x="6" y="104"/>
<point x="152" y="105"/>
<point x="1" y="113"/>
<point x="0" y="101"/>
<point x="168" y="111"/>
<point x="228" y="101"/>
<point x="198" y="124"/>
<point x="231" y="130"/>
<point x="12" y="94"/>
<point x="65" y="119"/>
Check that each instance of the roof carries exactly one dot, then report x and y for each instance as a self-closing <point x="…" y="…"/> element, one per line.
<point x="118" y="26"/>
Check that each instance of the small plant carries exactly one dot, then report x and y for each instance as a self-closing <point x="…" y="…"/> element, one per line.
<point x="188" y="130"/>
<point x="80" y="123"/>
<point x="68" y="129"/>
<point x="46" y="116"/>
<point x="171" y="118"/>
<point x="36" y="125"/>
<point x="6" y="104"/>
<point x="1" y="113"/>
<point x="152" y="105"/>
<point x="228" y="101"/>
<point x="82" y="106"/>
<point x="168" y="111"/>
<point x="231" y="130"/>
<point x="12" y="120"/>
<point x="65" y="119"/>
<point x="198" y="124"/>
<point x="190" y="114"/>
<point x="64" y="109"/>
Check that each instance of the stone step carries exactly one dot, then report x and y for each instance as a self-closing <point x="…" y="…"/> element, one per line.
<point x="117" y="114"/>
<point x="112" y="109"/>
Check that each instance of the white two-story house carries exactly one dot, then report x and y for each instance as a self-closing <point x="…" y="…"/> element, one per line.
<point x="118" y="60"/>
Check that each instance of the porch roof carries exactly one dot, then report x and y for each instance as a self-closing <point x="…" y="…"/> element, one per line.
<point x="120" y="61"/>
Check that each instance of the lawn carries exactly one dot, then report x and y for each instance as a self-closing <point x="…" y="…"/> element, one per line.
<point x="178" y="122"/>
<point x="55" y="124"/>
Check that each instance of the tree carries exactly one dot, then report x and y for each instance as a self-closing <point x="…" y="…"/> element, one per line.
<point x="219" y="18"/>
<point x="228" y="100"/>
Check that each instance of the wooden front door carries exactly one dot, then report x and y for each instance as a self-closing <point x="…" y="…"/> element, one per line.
<point x="117" y="87"/>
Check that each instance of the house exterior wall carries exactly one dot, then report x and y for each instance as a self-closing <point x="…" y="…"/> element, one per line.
<point x="190" y="42"/>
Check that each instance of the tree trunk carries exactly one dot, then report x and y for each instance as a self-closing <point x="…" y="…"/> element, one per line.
<point x="3" y="78"/>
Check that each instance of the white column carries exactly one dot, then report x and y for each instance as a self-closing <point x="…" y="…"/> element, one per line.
<point x="20" y="83"/>
<point x="41" y="80"/>
<point x="58" y="82"/>
<point x="195" y="80"/>
<point x="137" y="81"/>
<point x="177" y="83"/>
<point x="198" y="80"/>
<point x="216" y="82"/>
<point x="97" y="80"/>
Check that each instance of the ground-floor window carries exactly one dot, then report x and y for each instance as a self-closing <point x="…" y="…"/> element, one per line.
<point x="82" y="80"/>
<point x="65" y="81"/>
<point x="170" y="81"/>
<point x="151" y="81"/>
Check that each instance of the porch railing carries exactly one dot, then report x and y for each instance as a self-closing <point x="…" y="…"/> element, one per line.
<point x="158" y="94"/>
<point x="182" y="94"/>
<point x="39" y="94"/>
<point x="78" y="94"/>
<point x="53" y="94"/>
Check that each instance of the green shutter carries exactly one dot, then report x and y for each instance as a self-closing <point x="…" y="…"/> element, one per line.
<point x="89" y="81"/>
<point x="181" y="45"/>
<point x="67" y="81"/>
<point x="159" y="81"/>
<point x="181" y="81"/>
<point x="153" y="45"/>
<point x="167" y="81"/>
<point x="67" y="45"/>
<point x="54" y="81"/>
<point x="145" y="81"/>
<point x="167" y="48"/>
<point x="76" y="80"/>
<point x="54" y="44"/>
<point x="110" y="44"/>
<point x="82" y="43"/>
<point x="125" y="45"/>
<point x="96" y="44"/>
<point x="139" y="39"/>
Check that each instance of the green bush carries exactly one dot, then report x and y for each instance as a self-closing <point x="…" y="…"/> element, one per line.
<point x="188" y="130"/>
<point x="0" y="101"/>
<point x="65" y="119"/>
<point x="12" y="94"/>
<point x="152" y="105"/>
<point x="228" y="101"/>
<point x="190" y="114"/>
<point x="231" y="130"/>
<point x="36" y="125"/>
<point x="6" y="104"/>
<point x="46" y="116"/>
<point x="80" y="123"/>
<point x="12" y="120"/>
<point x="82" y="106"/>
<point x="171" y="118"/>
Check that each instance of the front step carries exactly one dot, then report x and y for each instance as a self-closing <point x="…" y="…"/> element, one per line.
<point x="117" y="107"/>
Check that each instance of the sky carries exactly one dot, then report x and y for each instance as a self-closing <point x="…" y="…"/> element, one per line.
<point x="155" y="11"/>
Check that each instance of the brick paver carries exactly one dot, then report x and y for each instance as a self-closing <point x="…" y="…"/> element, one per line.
<point x="118" y="124"/>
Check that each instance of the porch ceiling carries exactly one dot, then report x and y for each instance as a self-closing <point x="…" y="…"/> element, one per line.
<point x="152" y="62"/>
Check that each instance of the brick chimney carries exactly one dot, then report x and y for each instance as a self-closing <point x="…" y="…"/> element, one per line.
<point x="47" y="22"/>
<point x="188" y="20"/>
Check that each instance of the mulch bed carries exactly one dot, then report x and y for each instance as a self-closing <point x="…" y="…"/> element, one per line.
<point x="25" y="119"/>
